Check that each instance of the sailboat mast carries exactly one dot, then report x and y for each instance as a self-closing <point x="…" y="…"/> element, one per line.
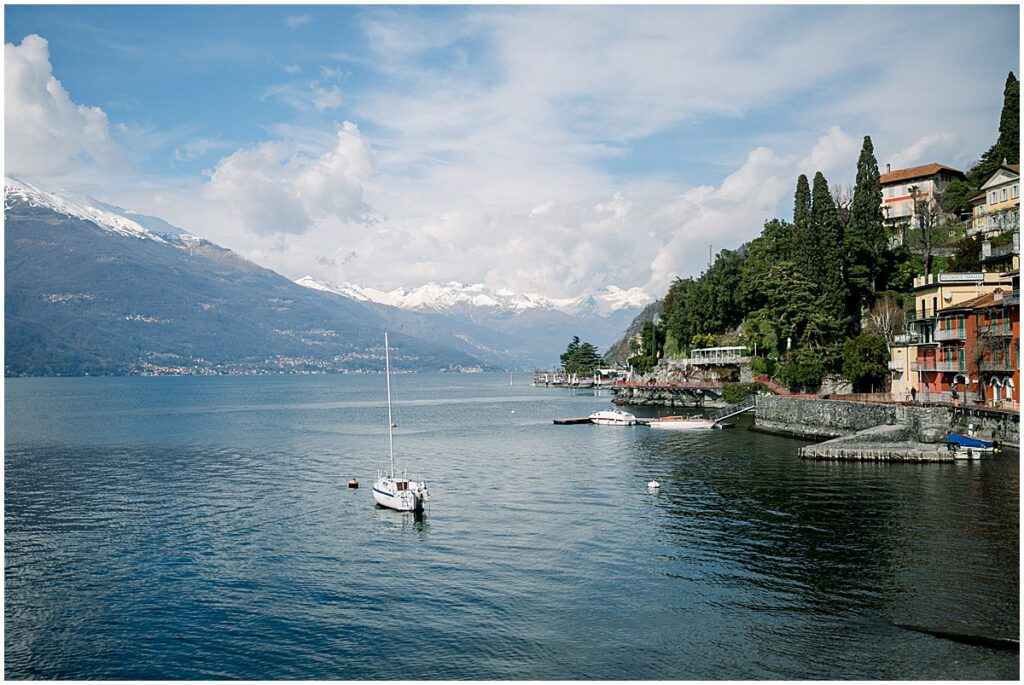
<point x="391" y="424"/>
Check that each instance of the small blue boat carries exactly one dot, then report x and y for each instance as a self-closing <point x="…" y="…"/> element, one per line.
<point x="970" y="447"/>
<point x="970" y="441"/>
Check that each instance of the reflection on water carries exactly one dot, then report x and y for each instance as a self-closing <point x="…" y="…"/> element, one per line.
<point x="147" y="537"/>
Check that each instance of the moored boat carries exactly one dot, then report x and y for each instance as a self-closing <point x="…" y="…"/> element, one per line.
<point x="389" y="490"/>
<point x="683" y="423"/>
<point x="612" y="417"/>
<point x="970" y="447"/>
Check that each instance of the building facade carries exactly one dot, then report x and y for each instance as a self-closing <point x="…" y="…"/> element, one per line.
<point x="996" y="209"/>
<point x="930" y="355"/>
<point x="907" y="193"/>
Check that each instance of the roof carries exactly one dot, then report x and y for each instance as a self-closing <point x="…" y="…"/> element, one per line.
<point x="917" y="172"/>
<point x="993" y="299"/>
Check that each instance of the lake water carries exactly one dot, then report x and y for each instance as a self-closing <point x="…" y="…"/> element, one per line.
<point x="202" y="528"/>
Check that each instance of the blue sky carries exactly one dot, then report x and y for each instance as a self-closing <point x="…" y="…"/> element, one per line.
<point x="547" y="149"/>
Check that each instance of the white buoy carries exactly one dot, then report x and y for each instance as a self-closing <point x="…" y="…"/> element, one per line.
<point x="513" y="411"/>
<point x="654" y="485"/>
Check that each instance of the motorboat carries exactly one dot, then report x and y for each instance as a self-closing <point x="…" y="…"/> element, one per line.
<point x="970" y="447"/>
<point x="390" y="490"/>
<point x="612" y="417"/>
<point x="682" y="423"/>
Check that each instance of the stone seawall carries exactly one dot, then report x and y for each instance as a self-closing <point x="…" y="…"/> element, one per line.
<point x="860" y="430"/>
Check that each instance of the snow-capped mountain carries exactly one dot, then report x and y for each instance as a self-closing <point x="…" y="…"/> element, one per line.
<point x="89" y="290"/>
<point x="455" y="296"/>
<point x="78" y="208"/>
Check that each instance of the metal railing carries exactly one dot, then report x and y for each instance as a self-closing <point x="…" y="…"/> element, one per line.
<point x="933" y="365"/>
<point x="1001" y="329"/>
<point x="950" y="334"/>
<point x="995" y="365"/>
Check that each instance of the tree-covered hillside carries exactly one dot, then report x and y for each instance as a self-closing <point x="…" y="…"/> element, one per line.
<point x="801" y="292"/>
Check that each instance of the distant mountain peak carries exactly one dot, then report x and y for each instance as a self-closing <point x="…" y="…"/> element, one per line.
<point x="15" y="191"/>
<point x="455" y="295"/>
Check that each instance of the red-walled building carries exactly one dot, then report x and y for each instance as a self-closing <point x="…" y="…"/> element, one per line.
<point x="976" y="361"/>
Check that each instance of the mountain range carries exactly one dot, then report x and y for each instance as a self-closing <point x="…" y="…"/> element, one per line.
<point x="96" y="289"/>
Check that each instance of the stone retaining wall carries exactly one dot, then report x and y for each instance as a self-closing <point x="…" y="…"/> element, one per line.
<point x="828" y="419"/>
<point x="878" y="432"/>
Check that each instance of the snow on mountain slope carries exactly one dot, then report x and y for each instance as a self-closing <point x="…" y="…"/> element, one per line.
<point x="15" y="190"/>
<point x="454" y="295"/>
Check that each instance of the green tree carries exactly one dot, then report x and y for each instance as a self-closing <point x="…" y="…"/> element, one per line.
<point x="805" y="369"/>
<point x="829" y="262"/>
<point x="1007" y="146"/>
<point x="956" y="198"/>
<point x="805" y="240"/>
<point x="968" y="254"/>
<point x="864" y="241"/>
<point x="675" y="312"/>
<point x="652" y="340"/>
<point x="580" y="358"/>
<point x="866" y="362"/>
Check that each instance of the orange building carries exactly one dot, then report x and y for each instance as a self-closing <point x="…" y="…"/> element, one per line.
<point x="975" y="360"/>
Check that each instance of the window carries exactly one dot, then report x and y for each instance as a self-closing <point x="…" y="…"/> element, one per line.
<point x="1004" y="195"/>
<point x="992" y="198"/>
<point x="1015" y="191"/>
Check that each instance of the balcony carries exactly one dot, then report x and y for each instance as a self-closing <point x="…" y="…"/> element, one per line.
<point x="896" y="366"/>
<point x="907" y="338"/>
<point x="943" y="334"/>
<point x="999" y="330"/>
<point x="996" y="365"/>
<point x="932" y="365"/>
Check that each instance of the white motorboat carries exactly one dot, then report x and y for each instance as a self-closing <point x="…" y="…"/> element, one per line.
<point x="682" y="423"/>
<point x="389" y="490"/>
<point x="612" y="417"/>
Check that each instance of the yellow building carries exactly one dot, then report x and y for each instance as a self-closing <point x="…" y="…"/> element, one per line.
<point x="996" y="209"/>
<point x="931" y="294"/>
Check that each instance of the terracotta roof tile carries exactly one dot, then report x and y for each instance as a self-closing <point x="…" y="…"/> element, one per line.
<point x="980" y="302"/>
<point x="917" y="172"/>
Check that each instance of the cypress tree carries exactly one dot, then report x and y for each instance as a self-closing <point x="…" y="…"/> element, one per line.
<point x="864" y="241"/>
<point x="805" y="239"/>
<point x="829" y="260"/>
<point x="1007" y="146"/>
<point x="1009" y="121"/>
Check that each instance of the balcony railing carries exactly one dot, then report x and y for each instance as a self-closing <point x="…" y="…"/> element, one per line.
<point x="895" y="366"/>
<point x="906" y="338"/>
<point x="999" y="330"/>
<point x="932" y="365"/>
<point x="995" y="365"/>
<point x="950" y="334"/>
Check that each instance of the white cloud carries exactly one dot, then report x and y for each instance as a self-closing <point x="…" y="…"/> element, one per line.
<point x="275" y="188"/>
<point x="297" y="20"/>
<point x="292" y="68"/>
<point x="934" y="147"/>
<point x="330" y="73"/>
<point x="197" y="148"/>
<point x="326" y="98"/>
<point x="832" y="152"/>
<point x="46" y="132"/>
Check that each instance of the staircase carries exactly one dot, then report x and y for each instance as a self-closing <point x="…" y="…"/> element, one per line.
<point x="734" y="409"/>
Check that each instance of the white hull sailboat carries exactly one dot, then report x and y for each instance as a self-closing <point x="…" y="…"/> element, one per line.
<point x="389" y="490"/>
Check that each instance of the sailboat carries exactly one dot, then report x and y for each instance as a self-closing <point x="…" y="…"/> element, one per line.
<point x="389" y="490"/>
